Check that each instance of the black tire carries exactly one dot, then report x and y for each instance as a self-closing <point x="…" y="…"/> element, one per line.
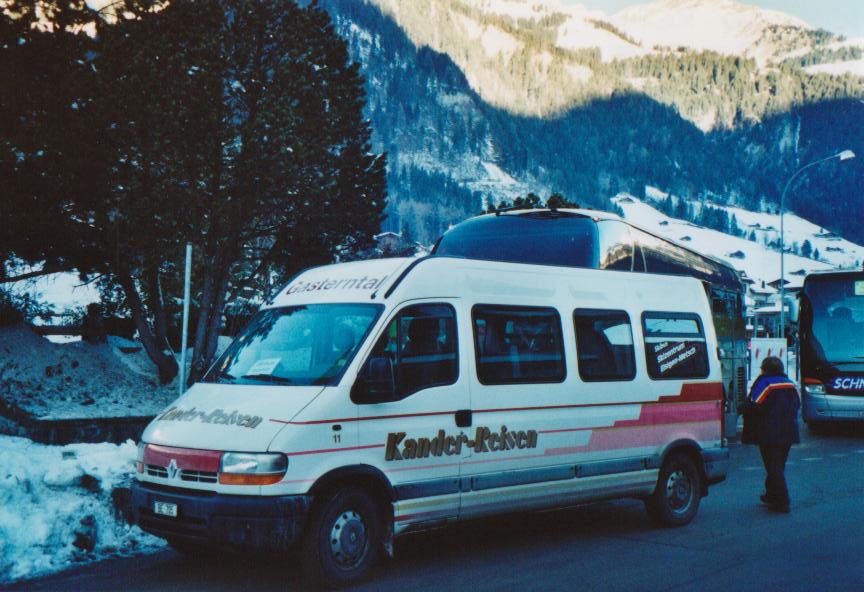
<point x="343" y="538"/>
<point x="676" y="499"/>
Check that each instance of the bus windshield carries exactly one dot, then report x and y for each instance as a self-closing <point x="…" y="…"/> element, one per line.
<point x="837" y="318"/>
<point x="296" y="345"/>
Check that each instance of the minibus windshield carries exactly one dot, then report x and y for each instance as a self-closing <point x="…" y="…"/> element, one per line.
<point x="296" y="345"/>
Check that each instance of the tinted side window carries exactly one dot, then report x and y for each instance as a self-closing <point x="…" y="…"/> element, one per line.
<point x="674" y="345"/>
<point x="540" y="237"/>
<point x="604" y="345"/>
<point x="421" y="343"/>
<point x="518" y="344"/>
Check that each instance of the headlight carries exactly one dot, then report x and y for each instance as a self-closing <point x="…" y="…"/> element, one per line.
<point x="139" y="457"/>
<point x="246" y="468"/>
<point x="814" y="389"/>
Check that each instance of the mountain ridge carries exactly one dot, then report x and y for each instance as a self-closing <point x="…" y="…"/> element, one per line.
<point x="451" y="151"/>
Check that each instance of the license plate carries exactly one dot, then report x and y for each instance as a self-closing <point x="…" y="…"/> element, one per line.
<point x="165" y="509"/>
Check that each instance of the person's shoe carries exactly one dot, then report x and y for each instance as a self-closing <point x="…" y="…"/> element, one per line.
<point x="780" y="508"/>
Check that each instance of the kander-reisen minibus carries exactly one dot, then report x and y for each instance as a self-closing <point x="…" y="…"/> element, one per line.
<point x="831" y="347"/>
<point x="372" y="399"/>
<point x="600" y="240"/>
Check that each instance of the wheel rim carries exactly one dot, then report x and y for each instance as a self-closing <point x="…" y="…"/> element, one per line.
<point x="348" y="539"/>
<point x="679" y="491"/>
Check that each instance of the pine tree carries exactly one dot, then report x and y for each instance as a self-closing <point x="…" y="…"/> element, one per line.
<point x="236" y="126"/>
<point x="556" y="200"/>
<point x="806" y="249"/>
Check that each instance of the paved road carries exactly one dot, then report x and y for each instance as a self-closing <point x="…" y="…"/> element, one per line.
<point x="734" y="544"/>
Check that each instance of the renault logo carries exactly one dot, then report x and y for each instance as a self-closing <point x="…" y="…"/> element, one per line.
<point x="172" y="469"/>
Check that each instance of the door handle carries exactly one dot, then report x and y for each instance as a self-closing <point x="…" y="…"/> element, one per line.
<point x="463" y="418"/>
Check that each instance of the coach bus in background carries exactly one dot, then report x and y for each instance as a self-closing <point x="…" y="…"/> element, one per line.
<point x="600" y="240"/>
<point x="831" y="342"/>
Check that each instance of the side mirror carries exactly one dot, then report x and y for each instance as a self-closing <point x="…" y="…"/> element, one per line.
<point x="376" y="382"/>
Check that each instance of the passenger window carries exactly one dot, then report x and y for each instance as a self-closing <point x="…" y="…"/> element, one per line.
<point x="421" y="344"/>
<point x="674" y="345"/>
<point x="518" y="344"/>
<point x="604" y="345"/>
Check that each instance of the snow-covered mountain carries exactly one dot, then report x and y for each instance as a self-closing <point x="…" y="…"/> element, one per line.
<point x="539" y="57"/>
<point x="755" y="258"/>
<point x="724" y="26"/>
<point x="478" y="101"/>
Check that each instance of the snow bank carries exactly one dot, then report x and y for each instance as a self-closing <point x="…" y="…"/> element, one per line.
<point x="56" y="506"/>
<point x="77" y="380"/>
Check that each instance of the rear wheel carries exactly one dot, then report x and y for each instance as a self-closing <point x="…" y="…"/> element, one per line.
<point x="676" y="499"/>
<point x="343" y="540"/>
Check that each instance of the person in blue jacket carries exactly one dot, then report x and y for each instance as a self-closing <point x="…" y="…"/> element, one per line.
<point x="771" y="422"/>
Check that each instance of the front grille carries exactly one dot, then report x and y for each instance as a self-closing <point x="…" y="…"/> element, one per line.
<point x="157" y="471"/>
<point x="199" y="476"/>
<point x="185" y="474"/>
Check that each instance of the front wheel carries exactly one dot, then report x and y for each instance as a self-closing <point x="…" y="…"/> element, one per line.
<point x="343" y="540"/>
<point x="676" y="499"/>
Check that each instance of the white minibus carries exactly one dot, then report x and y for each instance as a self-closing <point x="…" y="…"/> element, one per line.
<point x="375" y="398"/>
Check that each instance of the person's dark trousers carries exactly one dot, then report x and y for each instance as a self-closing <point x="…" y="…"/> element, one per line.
<point x="774" y="458"/>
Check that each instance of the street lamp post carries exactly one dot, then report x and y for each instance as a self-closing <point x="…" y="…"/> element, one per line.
<point x="844" y="155"/>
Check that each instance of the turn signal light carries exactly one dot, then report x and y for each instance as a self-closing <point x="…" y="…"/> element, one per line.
<point x="245" y="479"/>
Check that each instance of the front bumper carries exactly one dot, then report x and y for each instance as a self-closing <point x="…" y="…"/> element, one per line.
<point x="212" y="518"/>
<point x="832" y="407"/>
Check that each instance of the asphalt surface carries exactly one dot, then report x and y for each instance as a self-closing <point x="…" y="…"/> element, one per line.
<point x="734" y="544"/>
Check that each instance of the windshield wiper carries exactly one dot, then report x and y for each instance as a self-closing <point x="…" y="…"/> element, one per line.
<point x="225" y="376"/>
<point x="267" y="378"/>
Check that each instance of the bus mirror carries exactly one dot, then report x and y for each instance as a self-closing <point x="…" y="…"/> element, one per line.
<point x="375" y="382"/>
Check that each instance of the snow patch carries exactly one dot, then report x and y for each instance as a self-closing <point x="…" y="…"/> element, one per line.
<point x="754" y="258"/>
<point x="854" y="67"/>
<point x="496" y="175"/>
<point x="56" y="506"/>
<point x="724" y="26"/>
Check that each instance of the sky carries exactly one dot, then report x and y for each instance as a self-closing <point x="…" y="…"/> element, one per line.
<point x="845" y="17"/>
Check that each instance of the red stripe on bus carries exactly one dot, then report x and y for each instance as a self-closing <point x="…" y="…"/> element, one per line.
<point x="326" y="450"/>
<point x="690" y="393"/>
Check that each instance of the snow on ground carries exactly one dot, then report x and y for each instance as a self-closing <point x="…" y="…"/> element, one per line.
<point x="854" y="67"/>
<point x="834" y="250"/>
<point x="497" y="175"/>
<point x="78" y="380"/>
<point x="56" y="506"/>
<point x="758" y="261"/>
